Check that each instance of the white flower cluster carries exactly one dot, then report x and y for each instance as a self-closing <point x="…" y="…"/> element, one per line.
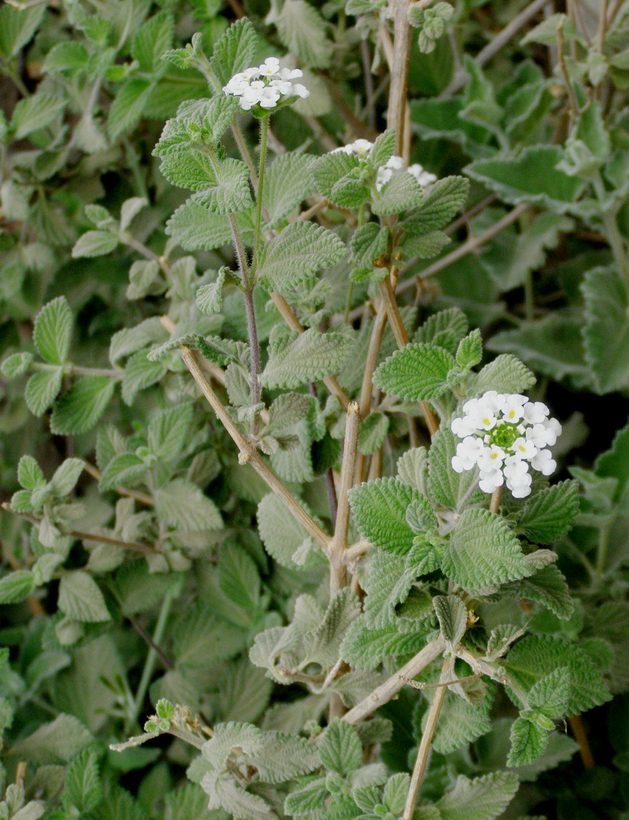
<point x="503" y="434"/>
<point x="362" y="149"/>
<point x="266" y="85"/>
<point x="386" y="171"/>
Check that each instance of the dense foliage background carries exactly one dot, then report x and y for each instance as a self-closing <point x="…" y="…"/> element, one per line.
<point x="142" y="558"/>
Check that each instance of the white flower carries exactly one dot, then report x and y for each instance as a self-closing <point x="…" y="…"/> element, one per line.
<point x="504" y="435"/>
<point x="423" y="177"/>
<point x="265" y="85"/>
<point x="544" y="462"/>
<point x="359" y="148"/>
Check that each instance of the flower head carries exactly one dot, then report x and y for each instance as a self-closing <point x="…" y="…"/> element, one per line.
<point x="266" y="86"/>
<point x="505" y="434"/>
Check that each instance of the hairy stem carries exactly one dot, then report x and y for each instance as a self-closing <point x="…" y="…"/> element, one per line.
<point x="247" y="451"/>
<point x="494" y="504"/>
<point x="264" y="138"/>
<point x="338" y="570"/>
<point x="423" y="753"/>
<point x="389" y="689"/>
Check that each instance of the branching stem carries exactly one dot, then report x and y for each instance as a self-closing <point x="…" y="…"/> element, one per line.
<point x="423" y="753"/>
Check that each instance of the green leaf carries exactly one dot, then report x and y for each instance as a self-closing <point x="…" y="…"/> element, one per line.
<point x="369" y="242"/>
<point x="81" y="599"/>
<point x="168" y="432"/>
<point x="303" y="31"/>
<point x="151" y="40"/>
<point x="300" y="249"/>
<point x="140" y="372"/>
<point x="35" y="112"/>
<point x="483" y="553"/>
<point x="426" y="246"/>
<point x="528" y="741"/>
<point x="16" y="586"/>
<point x="549" y="588"/>
<point x="284" y="538"/>
<point x="470" y="350"/>
<point x="209" y="298"/>
<point x="52" y="332"/>
<point x="417" y="372"/>
<point x="183" y="505"/>
<point x="373" y="432"/>
<point x="16" y="365"/>
<point x="536" y="656"/>
<point x="340" y="748"/>
<point x="461" y="723"/>
<point x="549" y="514"/>
<point x="606" y="331"/>
<point x="402" y="193"/>
<point x="300" y="358"/>
<point x="125" y="469"/>
<point x="236" y="50"/>
<point x="551" y="345"/>
<point x="288" y="181"/>
<point x="533" y="177"/>
<point x="445" y="486"/>
<point x="55" y="742"/>
<point x="66" y="476"/>
<point x="94" y="243"/>
<point x="230" y="192"/>
<point x="551" y="694"/>
<point x="82" y="788"/>
<point x="452" y="616"/>
<point x="17" y="27"/>
<point x="365" y="648"/>
<point x="30" y="474"/>
<point x="483" y="798"/>
<point x="379" y="510"/>
<point x="390" y="579"/>
<point x="42" y="389"/>
<point x="505" y="374"/>
<point x="438" y="206"/>
<point x="194" y="228"/>
<point x="445" y="329"/>
<point x="128" y="105"/>
<point x="80" y="407"/>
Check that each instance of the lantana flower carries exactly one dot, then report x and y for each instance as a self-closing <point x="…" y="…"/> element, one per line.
<point x="266" y="85"/>
<point x="504" y="435"/>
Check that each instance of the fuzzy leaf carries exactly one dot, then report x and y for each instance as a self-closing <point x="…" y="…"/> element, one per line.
<point x="440" y="203"/>
<point x="81" y="599"/>
<point x="288" y="182"/>
<point x="194" y="228"/>
<point x="94" y="243"/>
<point x="606" y="331"/>
<point x="236" y="50"/>
<point x="483" y="798"/>
<point x="452" y="616"/>
<point x="16" y="586"/>
<point x="483" y="553"/>
<point x="35" y="112"/>
<point x="445" y="486"/>
<point x="300" y="358"/>
<point x="536" y="656"/>
<point x="80" y="407"/>
<point x="53" y="331"/>
<point x="341" y="749"/>
<point x="297" y="251"/>
<point x="505" y="374"/>
<point x="183" y="505"/>
<point x="30" y="474"/>
<point x="549" y="514"/>
<point x="128" y="105"/>
<point x="417" y="372"/>
<point x="379" y="510"/>
<point x="303" y="31"/>
<point x="528" y="741"/>
<point x="533" y="177"/>
<point x="42" y="389"/>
